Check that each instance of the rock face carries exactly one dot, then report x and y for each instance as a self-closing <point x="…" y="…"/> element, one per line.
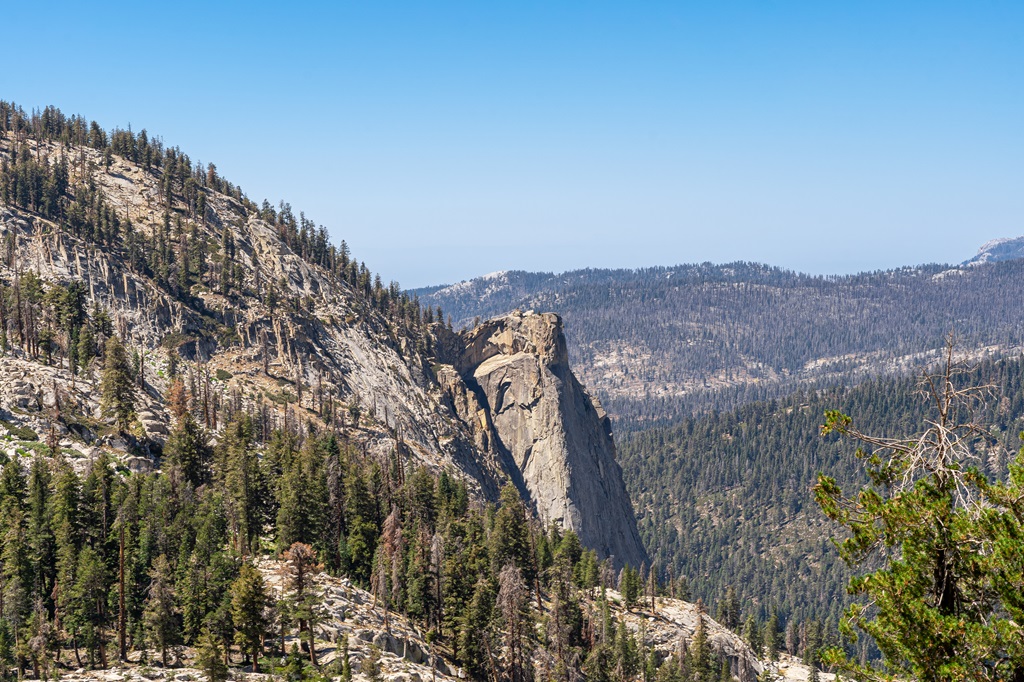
<point x="671" y="629"/>
<point x="998" y="250"/>
<point x="323" y="345"/>
<point x="510" y="380"/>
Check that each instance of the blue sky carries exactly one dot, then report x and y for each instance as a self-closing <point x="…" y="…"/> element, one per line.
<point x="448" y="139"/>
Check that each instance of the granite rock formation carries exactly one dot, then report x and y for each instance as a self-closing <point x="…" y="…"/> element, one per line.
<point x="510" y="380"/>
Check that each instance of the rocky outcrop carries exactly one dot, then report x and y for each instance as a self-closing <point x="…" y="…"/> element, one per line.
<point x="998" y="250"/>
<point x="510" y="380"/>
<point x="670" y="628"/>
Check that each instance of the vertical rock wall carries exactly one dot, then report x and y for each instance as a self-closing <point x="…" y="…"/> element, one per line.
<point x="512" y="384"/>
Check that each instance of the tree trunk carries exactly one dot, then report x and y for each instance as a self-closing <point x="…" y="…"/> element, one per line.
<point x="121" y="619"/>
<point x="103" y="650"/>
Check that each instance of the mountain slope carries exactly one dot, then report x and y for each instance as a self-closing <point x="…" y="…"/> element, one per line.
<point x="725" y="498"/>
<point x="251" y="306"/>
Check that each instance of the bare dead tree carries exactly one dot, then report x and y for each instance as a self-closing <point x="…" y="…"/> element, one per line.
<point x="945" y="449"/>
<point x="512" y="600"/>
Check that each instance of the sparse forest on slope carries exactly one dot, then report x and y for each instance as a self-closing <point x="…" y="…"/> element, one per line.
<point x="661" y="343"/>
<point x="193" y="387"/>
<point x="724" y="499"/>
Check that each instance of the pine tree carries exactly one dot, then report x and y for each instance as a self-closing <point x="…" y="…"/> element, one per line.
<point x="6" y="648"/>
<point x="699" y="658"/>
<point x="245" y="488"/>
<point x="946" y="599"/>
<point x="475" y="632"/>
<point x="39" y="530"/>
<point x="346" y="663"/>
<point x="86" y="349"/>
<point x="187" y="449"/>
<point x="510" y="538"/>
<point x="513" y="608"/>
<point x="629" y="587"/>
<point x="90" y="612"/>
<point x="249" y="605"/>
<point x="752" y="633"/>
<point x="771" y="637"/>
<point x="371" y="665"/>
<point x="627" y="659"/>
<point x="303" y="595"/>
<point x="360" y="516"/>
<point x="161" y="610"/>
<point x="118" y="387"/>
<point x="210" y="658"/>
<point x="295" y="667"/>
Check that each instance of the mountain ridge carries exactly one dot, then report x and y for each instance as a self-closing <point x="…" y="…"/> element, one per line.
<point x="657" y="344"/>
<point x="254" y="307"/>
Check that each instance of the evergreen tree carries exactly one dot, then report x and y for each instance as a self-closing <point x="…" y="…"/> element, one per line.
<point x="511" y="537"/>
<point x="249" y="605"/>
<point x="295" y="667"/>
<point x="360" y="515"/>
<point x="629" y="587"/>
<point x="303" y="595"/>
<point x="39" y="531"/>
<point x="86" y="349"/>
<point x="243" y="482"/>
<point x="475" y="632"/>
<point x="161" y="610"/>
<point x="187" y="449"/>
<point x="752" y="634"/>
<point x="946" y="603"/>
<point x="89" y="614"/>
<point x="118" y="386"/>
<point x="346" y="663"/>
<point x="371" y="665"/>
<point x="699" y="658"/>
<point x="627" y="659"/>
<point x="513" y="609"/>
<point x="771" y="638"/>
<point x="210" y="658"/>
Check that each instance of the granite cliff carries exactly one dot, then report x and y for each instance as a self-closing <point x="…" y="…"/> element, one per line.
<point x="509" y="380"/>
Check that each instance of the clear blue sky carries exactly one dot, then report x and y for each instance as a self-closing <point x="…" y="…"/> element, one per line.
<point x="449" y="139"/>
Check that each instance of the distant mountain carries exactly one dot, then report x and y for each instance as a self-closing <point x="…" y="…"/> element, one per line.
<point x="660" y="343"/>
<point x="998" y="250"/>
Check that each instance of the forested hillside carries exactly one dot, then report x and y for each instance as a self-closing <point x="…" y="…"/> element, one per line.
<point x="200" y="396"/>
<point x="724" y="499"/>
<point x="661" y="343"/>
